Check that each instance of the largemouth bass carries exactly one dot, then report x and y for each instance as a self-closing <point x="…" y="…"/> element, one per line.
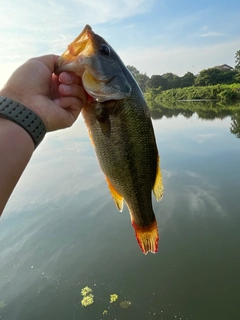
<point x="120" y="128"/>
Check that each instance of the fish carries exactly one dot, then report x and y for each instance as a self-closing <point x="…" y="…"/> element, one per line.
<point x="120" y="128"/>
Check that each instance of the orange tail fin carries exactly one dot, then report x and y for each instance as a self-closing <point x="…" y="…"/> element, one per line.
<point x="147" y="237"/>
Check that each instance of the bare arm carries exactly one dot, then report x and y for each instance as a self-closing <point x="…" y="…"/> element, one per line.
<point x="56" y="100"/>
<point x="16" y="148"/>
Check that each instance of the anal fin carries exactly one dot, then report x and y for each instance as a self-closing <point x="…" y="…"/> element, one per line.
<point x="158" y="185"/>
<point x="117" y="198"/>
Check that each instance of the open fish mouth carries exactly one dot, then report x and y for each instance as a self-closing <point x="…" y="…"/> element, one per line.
<point x="78" y="48"/>
<point x="74" y="57"/>
<point x="90" y="57"/>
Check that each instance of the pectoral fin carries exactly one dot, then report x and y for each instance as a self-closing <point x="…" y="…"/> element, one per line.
<point x="158" y="185"/>
<point x="117" y="198"/>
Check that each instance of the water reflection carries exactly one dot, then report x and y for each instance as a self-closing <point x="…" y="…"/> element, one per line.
<point x="64" y="233"/>
<point x="207" y="110"/>
<point x="235" y="125"/>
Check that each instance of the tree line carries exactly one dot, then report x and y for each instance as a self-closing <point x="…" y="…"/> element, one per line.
<point x="206" y="77"/>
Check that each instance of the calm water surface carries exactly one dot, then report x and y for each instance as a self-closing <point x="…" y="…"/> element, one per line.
<point x="61" y="231"/>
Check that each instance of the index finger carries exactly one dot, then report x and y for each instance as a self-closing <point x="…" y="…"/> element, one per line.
<point x="69" y="78"/>
<point x="48" y="60"/>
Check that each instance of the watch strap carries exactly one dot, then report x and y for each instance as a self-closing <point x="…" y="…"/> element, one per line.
<point x="24" y="117"/>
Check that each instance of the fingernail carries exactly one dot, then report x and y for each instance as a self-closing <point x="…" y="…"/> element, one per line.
<point x="68" y="78"/>
<point x="66" y="88"/>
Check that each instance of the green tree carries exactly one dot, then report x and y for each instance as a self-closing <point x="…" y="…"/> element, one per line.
<point x="152" y="93"/>
<point x="237" y="60"/>
<point x="141" y="78"/>
<point x="157" y="81"/>
<point x="173" y="81"/>
<point x="187" y="80"/>
<point x="212" y="76"/>
<point x="134" y="71"/>
<point x="235" y="125"/>
<point x="237" y="77"/>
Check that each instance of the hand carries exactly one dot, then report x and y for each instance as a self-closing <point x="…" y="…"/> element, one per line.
<point x="57" y="100"/>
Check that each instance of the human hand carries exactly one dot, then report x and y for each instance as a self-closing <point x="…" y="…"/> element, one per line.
<point x="57" y="100"/>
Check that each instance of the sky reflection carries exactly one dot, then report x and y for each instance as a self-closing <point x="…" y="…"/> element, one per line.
<point x="61" y="231"/>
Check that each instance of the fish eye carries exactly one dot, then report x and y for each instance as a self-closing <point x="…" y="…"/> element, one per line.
<point x="104" y="49"/>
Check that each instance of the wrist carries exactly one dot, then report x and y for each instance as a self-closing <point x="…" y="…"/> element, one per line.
<point x="24" y="117"/>
<point x="15" y="136"/>
<point x="7" y="92"/>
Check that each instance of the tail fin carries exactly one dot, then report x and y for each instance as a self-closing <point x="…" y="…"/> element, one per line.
<point x="147" y="237"/>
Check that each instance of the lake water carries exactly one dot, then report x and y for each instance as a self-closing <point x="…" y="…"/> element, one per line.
<point x="61" y="230"/>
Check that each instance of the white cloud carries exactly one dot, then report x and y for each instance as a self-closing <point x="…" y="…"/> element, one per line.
<point x="201" y="138"/>
<point x="47" y="16"/>
<point x="179" y="60"/>
<point x="211" y="34"/>
<point x="187" y="20"/>
<point x="202" y="200"/>
<point x="30" y="29"/>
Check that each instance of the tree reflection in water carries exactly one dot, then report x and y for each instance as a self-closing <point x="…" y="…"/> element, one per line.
<point x="207" y="110"/>
<point x="235" y="125"/>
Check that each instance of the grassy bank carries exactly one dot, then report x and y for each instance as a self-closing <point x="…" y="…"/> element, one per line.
<point x="216" y="92"/>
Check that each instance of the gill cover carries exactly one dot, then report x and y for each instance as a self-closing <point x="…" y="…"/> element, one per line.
<point x="116" y="88"/>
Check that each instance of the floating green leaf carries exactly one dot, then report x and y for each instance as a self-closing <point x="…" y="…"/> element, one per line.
<point x="105" y="312"/>
<point x="113" y="297"/>
<point x="87" y="300"/>
<point x="2" y="304"/>
<point x="86" y="291"/>
<point x="125" y="304"/>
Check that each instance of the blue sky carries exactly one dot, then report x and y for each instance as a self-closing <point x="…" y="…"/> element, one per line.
<point x="155" y="36"/>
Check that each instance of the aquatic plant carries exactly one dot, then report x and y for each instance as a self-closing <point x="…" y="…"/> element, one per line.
<point x="86" y="291"/>
<point x="87" y="300"/>
<point x="87" y="296"/>
<point x="125" y="304"/>
<point x="2" y="304"/>
<point x="113" y="298"/>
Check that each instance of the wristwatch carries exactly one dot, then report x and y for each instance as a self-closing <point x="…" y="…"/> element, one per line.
<point x="24" y="117"/>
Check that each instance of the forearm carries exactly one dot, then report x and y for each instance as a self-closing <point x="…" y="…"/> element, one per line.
<point x="54" y="102"/>
<point x="16" y="149"/>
